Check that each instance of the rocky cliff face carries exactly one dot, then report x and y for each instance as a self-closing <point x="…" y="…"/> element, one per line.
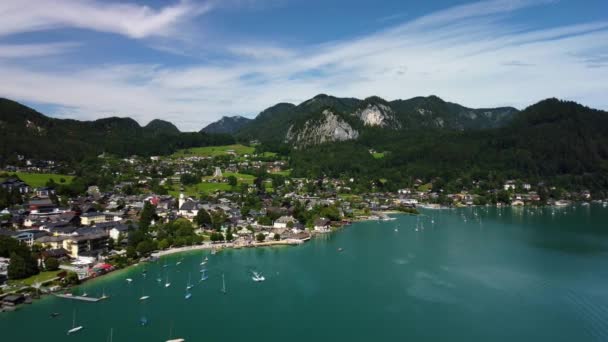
<point x="377" y="115"/>
<point x="329" y="128"/>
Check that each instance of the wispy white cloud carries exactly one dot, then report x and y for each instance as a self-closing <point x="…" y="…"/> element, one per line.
<point x="466" y="54"/>
<point x="34" y="50"/>
<point x="134" y="21"/>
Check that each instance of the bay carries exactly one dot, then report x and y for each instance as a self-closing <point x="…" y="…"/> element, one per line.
<point x="494" y="274"/>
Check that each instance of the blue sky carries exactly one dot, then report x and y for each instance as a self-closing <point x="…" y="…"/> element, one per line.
<point x="191" y="62"/>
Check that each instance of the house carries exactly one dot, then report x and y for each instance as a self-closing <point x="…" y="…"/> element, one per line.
<point x="322" y="225"/>
<point x="13" y="300"/>
<point x="84" y="242"/>
<point x="12" y="184"/>
<point x="42" y="206"/>
<point x="117" y="230"/>
<point x="509" y="185"/>
<point x="28" y="236"/>
<point x="91" y="218"/>
<point x="187" y="208"/>
<point x="283" y="221"/>
<point x="44" y="192"/>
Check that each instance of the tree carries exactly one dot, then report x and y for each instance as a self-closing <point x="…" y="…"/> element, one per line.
<point x="110" y="244"/>
<point x="51" y="264"/>
<point x="232" y="181"/>
<point x="216" y="236"/>
<point x="260" y="237"/>
<point x="146" y="216"/>
<point x="163" y="244"/>
<point x="277" y="237"/>
<point x="131" y="252"/>
<point x="71" y="279"/>
<point x="17" y="268"/>
<point x="202" y="217"/>
<point x="229" y="236"/>
<point x="22" y="264"/>
<point x="145" y="247"/>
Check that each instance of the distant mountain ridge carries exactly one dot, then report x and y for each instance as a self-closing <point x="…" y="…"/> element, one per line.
<point x="326" y="118"/>
<point x="24" y="131"/>
<point x="227" y="125"/>
<point x="162" y="126"/>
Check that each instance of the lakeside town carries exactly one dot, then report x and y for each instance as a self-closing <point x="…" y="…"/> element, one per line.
<point x="54" y="235"/>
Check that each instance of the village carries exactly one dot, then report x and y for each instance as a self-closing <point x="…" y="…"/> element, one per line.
<point x="216" y="198"/>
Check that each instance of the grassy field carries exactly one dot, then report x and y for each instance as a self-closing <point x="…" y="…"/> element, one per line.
<point x="42" y="277"/>
<point x="212" y="151"/>
<point x="40" y="179"/>
<point x="240" y="177"/>
<point x="285" y="173"/>
<point x="208" y="187"/>
<point x="378" y="155"/>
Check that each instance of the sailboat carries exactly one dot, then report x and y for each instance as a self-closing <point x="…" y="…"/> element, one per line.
<point x="111" y="333"/>
<point x="223" y="284"/>
<point x="74" y="327"/>
<point x="189" y="285"/>
<point x="204" y="276"/>
<point x="143" y="297"/>
<point x="167" y="283"/>
<point x="204" y="261"/>
<point x="129" y="280"/>
<point x="171" y="334"/>
<point x="103" y="294"/>
<point x="257" y="277"/>
<point x="188" y="295"/>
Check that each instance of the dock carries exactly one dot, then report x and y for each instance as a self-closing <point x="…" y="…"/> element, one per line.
<point x="81" y="298"/>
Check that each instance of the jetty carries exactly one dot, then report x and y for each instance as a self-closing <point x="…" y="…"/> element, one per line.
<point x="81" y="298"/>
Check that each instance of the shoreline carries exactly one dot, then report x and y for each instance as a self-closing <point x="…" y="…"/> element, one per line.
<point x="226" y="245"/>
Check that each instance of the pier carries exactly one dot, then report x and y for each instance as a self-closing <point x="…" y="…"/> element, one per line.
<point x="81" y="298"/>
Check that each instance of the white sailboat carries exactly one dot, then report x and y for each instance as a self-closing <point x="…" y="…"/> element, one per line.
<point x="257" y="277"/>
<point x="143" y="296"/>
<point x="173" y="339"/>
<point x="167" y="283"/>
<point x="223" y="284"/>
<point x="189" y="285"/>
<point x="103" y="294"/>
<point x="204" y="275"/>
<point x="204" y="261"/>
<point x="75" y="328"/>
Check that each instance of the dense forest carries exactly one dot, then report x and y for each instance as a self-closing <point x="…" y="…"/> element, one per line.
<point x="554" y="140"/>
<point x="27" y="132"/>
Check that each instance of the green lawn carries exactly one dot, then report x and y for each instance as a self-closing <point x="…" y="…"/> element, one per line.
<point x="43" y="276"/>
<point x="378" y="155"/>
<point x="212" y="151"/>
<point x="195" y="190"/>
<point x="241" y="177"/>
<point x="39" y="179"/>
<point x="285" y="173"/>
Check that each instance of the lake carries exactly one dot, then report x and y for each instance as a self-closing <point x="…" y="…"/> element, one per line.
<point x="472" y="274"/>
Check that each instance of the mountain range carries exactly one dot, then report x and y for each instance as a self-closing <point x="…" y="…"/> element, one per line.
<point x="227" y="124"/>
<point x="326" y="135"/>
<point x="26" y="132"/>
<point x="326" y="118"/>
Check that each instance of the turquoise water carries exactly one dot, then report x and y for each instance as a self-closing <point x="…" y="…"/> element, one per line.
<point x="474" y="274"/>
